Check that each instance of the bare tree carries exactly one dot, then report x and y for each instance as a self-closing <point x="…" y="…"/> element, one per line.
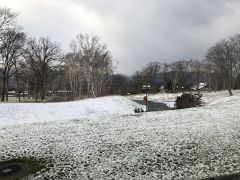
<point x="225" y="56"/>
<point x="150" y="73"/>
<point x="42" y="56"/>
<point x="196" y="67"/>
<point x="235" y="43"/>
<point x="12" y="43"/>
<point x="178" y="69"/>
<point x="138" y="81"/>
<point x="119" y="84"/>
<point x="75" y="71"/>
<point x="91" y="62"/>
<point x="7" y="18"/>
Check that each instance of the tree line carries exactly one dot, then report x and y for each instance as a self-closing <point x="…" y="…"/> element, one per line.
<point x="219" y="70"/>
<point x="38" y="68"/>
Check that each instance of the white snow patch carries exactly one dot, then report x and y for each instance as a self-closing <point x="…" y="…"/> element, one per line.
<point x="20" y="113"/>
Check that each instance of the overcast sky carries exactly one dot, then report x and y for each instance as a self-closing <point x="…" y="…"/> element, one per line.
<point x="135" y="31"/>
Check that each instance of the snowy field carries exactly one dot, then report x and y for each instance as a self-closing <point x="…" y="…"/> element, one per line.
<point x="20" y="113"/>
<point x="85" y="140"/>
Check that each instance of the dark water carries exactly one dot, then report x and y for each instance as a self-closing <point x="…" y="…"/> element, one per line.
<point x="154" y="106"/>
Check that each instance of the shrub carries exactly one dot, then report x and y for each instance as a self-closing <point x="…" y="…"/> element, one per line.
<point x="188" y="101"/>
<point x="59" y="99"/>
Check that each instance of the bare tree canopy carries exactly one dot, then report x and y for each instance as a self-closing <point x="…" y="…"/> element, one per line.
<point x="89" y="62"/>
<point x="150" y="73"/>
<point x="225" y="55"/>
<point x="11" y="48"/>
<point x="42" y="56"/>
<point x="7" y="18"/>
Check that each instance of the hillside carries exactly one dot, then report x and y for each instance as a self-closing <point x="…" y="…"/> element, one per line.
<point x="180" y="144"/>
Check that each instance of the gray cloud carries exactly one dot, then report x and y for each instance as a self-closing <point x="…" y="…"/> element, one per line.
<point x="136" y="31"/>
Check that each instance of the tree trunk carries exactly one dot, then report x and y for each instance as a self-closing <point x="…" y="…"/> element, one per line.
<point x="18" y="89"/>
<point x="36" y="96"/>
<point x="88" y="87"/>
<point x="43" y="92"/>
<point x="209" y="82"/>
<point x="3" y="92"/>
<point x="230" y="86"/>
<point x="80" y="90"/>
<point x="92" y="89"/>
<point x="3" y="87"/>
<point x="230" y="91"/>
<point x="7" y="83"/>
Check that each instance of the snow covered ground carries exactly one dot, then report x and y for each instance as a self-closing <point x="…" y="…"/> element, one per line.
<point x="180" y="144"/>
<point x="21" y="113"/>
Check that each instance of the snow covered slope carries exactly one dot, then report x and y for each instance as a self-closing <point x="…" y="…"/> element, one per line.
<point x="19" y="113"/>
<point x="181" y="144"/>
